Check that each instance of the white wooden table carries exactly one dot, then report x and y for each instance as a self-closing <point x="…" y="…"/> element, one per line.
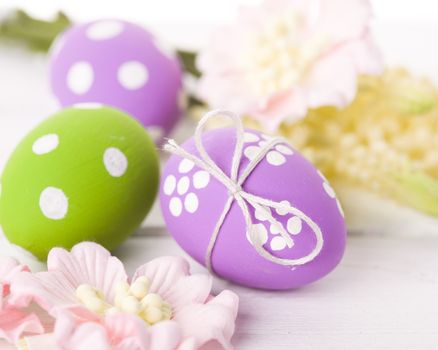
<point x="384" y="294"/>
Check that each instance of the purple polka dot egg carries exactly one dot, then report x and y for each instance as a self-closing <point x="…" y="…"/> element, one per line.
<point x="119" y="64"/>
<point x="193" y="201"/>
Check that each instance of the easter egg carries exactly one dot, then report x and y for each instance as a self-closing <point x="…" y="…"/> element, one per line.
<point x="119" y="64"/>
<point x="193" y="200"/>
<point x="87" y="173"/>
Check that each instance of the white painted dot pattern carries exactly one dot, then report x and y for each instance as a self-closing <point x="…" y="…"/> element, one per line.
<point x="132" y="75"/>
<point x="185" y="198"/>
<point x="115" y="162"/>
<point x="274" y="157"/>
<point x="53" y="203"/>
<point x="104" y="30"/>
<point x="45" y="144"/>
<point x="80" y="77"/>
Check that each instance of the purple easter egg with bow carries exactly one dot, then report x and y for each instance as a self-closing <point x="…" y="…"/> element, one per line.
<point x="119" y="64"/>
<point x="193" y="200"/>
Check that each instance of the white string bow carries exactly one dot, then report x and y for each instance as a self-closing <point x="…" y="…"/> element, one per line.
<point x="242" y="198"/>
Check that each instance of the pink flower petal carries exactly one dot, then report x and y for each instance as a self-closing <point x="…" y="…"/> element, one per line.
<point x="341" y="20"/>
<point x="9" y="267"/>
<point x="188" y="344"/>
<point x="4" y="290"/>
<point x="88" y="263"/>
<point x="4" y="345"/>
<point x="165" y="335"/>
<point x="123" y="328"/>
<point x="48" y="289"/>
<point x="170" y="278"/>
<point x="45" y="341"/>
<point x="13" y="323"/>
<point x="220" y="57"/>
<point x="332" y="81"/>
<point x="85" y="337"/>
<point x="118" y="332"/>
<point x="188" y="290"/>
<point x="212" y="322"/>
<point x="163" y="272"/>
<point x="366" y="55"/>
<point x="290" y="106"/>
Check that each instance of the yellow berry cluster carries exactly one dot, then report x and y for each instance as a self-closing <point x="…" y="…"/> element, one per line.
<point x="386" y="141"/>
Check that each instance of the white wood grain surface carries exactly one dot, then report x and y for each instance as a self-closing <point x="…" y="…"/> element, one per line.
<point x="384" y="295"/>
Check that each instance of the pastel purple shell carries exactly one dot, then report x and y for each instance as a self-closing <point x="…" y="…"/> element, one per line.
<point x="192" y="202"/>
<point x="122" y="65"/>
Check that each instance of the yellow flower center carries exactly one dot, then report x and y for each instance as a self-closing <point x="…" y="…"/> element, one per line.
<point x="280" y="55"/>
<point x="134" y="299"/>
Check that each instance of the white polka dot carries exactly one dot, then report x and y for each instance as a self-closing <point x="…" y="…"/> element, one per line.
<point x="104" y="30"/>
<point x="132" y="75"/>
<point x="283" y="211"/>
<point x="175" y="206"/>
<point x="45" y="144"/>
<point x="155" y="132"/>
<point x="263" y="143"/>
<point x="88" y="105"/>
<point x="185" y="166"/>
<point x="115" y="161"/>
<point x="53" y="203"/>
<point x="191" y="203"/>
<point x="262" y="213"/>
<point x="183" y="185"/>
<point x="329" y="190"/>
<point x="278" y="243"/>
<point x="201" y="179"/>
<point x="284" y="149"/>
<point x="250" y="137"/>
<point x="260" y="233"/>
<point x="275" y="158"/>
<point x="169" y="185"/>
<point x="294" y="225"/>
<point x="80" y="77"/>
<point x="274" y="229"/>
<point x="251" y="152"/>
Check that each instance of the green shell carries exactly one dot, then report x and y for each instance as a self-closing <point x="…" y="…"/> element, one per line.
<point x="86" y="174"/>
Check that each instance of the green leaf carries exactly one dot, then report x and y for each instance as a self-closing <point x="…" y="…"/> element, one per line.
<point x="36" y="34"/>
<point x="188" y="60"/>
<point x="419" y="190"/>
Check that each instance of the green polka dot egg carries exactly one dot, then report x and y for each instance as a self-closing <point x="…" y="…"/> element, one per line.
<point x="87" y="173"/>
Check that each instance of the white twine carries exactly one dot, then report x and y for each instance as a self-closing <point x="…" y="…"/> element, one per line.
<point x="242" y="198"/>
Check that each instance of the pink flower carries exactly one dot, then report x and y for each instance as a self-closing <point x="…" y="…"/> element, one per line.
<point x="96" y="305"/>
<point x="286" y="56"/>
<point x="14" y="322"/>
